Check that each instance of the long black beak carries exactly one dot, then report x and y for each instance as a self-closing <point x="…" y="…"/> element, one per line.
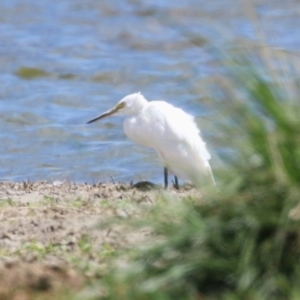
<point x="106" y="114"/>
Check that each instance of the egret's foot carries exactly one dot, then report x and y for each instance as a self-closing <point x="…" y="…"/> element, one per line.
<point x="166" y="177"/>
<point x="175" y="183"/>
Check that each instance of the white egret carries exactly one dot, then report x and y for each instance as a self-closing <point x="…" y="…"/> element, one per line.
<point x="171" y="132"/>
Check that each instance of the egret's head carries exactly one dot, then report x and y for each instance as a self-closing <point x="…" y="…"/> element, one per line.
<point x="129" y="105"/>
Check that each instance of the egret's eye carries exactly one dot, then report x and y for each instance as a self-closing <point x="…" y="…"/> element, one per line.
<point x="120" y="105"/>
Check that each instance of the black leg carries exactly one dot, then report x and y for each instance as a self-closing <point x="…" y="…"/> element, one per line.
<point x="166" y="177"/>
<point x="176" y="185"/>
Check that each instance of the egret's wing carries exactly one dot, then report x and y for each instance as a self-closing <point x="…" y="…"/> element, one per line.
<point x="175" y="127"/>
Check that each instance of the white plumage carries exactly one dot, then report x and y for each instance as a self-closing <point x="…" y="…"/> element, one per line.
<point x="171" y="132"/>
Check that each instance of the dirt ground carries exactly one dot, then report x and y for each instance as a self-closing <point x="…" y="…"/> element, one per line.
<point x="51" y="236"/>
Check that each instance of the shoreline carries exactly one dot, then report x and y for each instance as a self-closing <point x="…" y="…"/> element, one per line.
<point x="51" y="232"/>
<point x="23" y="190"/>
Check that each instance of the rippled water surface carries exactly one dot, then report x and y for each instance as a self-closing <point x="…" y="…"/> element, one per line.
<point x="63" y="62"/>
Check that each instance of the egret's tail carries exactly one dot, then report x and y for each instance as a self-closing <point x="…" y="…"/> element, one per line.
<point x="204" y="179"/>
<point x="211" y="175"/>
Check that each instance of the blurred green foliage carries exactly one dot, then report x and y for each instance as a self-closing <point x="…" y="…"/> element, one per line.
<point x="243" y="240"/>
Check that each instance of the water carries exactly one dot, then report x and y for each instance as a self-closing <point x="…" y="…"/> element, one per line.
<point x="63" y="62"/>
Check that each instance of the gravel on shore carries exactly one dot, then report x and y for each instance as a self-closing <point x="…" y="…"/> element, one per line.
<point x="50" y="236"/>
